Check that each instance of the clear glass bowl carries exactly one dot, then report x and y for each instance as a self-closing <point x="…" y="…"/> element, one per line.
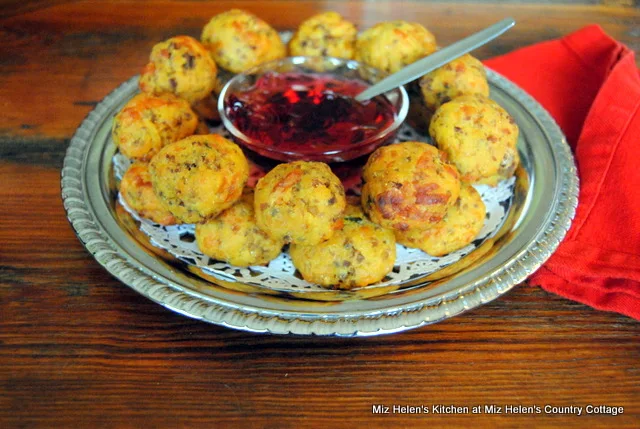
<point x="340" y="68"/>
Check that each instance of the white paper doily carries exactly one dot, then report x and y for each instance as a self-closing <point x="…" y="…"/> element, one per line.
<point x="281" y="275"/>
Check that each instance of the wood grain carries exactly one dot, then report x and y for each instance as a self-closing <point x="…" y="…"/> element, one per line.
<point x="80" y="349"/>
<point x="72" y="55"/>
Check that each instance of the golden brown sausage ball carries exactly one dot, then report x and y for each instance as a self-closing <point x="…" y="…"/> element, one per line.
<point x="147" y="123"/>
<point x="359" y="254"/>
<point x="300" y="202"/>
<point x="390" y="46"/>
<point x="239" y="40"/>
<point x="479" y="137"/>
<point x="235" y="238"/>
<point x="460" y="226"/>
<point x="463" y="76"/>
<point x="408" y="185"/>
<point x="137" y="191"/>
<point x="199" y="177"/>
<point x="325" y="34"/>
<point x="180" y="66"/>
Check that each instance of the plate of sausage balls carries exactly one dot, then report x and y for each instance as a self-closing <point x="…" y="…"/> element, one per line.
<point x="237" y="180"/>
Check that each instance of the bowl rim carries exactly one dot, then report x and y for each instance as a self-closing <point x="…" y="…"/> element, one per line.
<point x="247" y="141"/>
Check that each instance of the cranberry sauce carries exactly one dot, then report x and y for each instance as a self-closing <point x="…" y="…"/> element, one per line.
<point x="308" y="112"/>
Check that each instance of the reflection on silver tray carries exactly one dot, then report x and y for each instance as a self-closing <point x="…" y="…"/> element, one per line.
<point x="544" y="202"/>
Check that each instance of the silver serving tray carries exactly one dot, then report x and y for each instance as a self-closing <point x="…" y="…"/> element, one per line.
<point x="543" y="206"/>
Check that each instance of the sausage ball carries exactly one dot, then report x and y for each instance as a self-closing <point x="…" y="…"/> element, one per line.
<point x="235" y="238"/>
<point x="359" y="254"/>
<point x="147" y="123"/>
<point x="390" y="46"/>
<point x="459" y="227"/>
<point x="325" y="34"/>
<point x="300" y="202"/>
<point x="479" y="137"/>
<point x="408" y="185"/>
<point x="239" y="40"/>
<point x="137" y="191"/>
<point x="180" y="66"/>
<point x="199" y="177"/>
<point x="463" y="76"/>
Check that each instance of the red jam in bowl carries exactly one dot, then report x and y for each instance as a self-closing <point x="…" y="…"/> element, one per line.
<point x="308" y="113"/>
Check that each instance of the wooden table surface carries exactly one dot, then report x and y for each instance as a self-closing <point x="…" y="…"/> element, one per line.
<point x="80" y="349"/>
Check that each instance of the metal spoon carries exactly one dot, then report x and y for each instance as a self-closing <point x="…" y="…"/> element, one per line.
<point x="437" y="59"/>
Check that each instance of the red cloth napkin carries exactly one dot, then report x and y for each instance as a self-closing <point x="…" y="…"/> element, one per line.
<point x="591" y="86"/>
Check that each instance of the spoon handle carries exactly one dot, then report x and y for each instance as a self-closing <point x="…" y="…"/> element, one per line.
<point x="437" y="59"/>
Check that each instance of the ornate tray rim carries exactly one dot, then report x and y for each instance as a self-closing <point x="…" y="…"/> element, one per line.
<point x="95" y="238"/>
